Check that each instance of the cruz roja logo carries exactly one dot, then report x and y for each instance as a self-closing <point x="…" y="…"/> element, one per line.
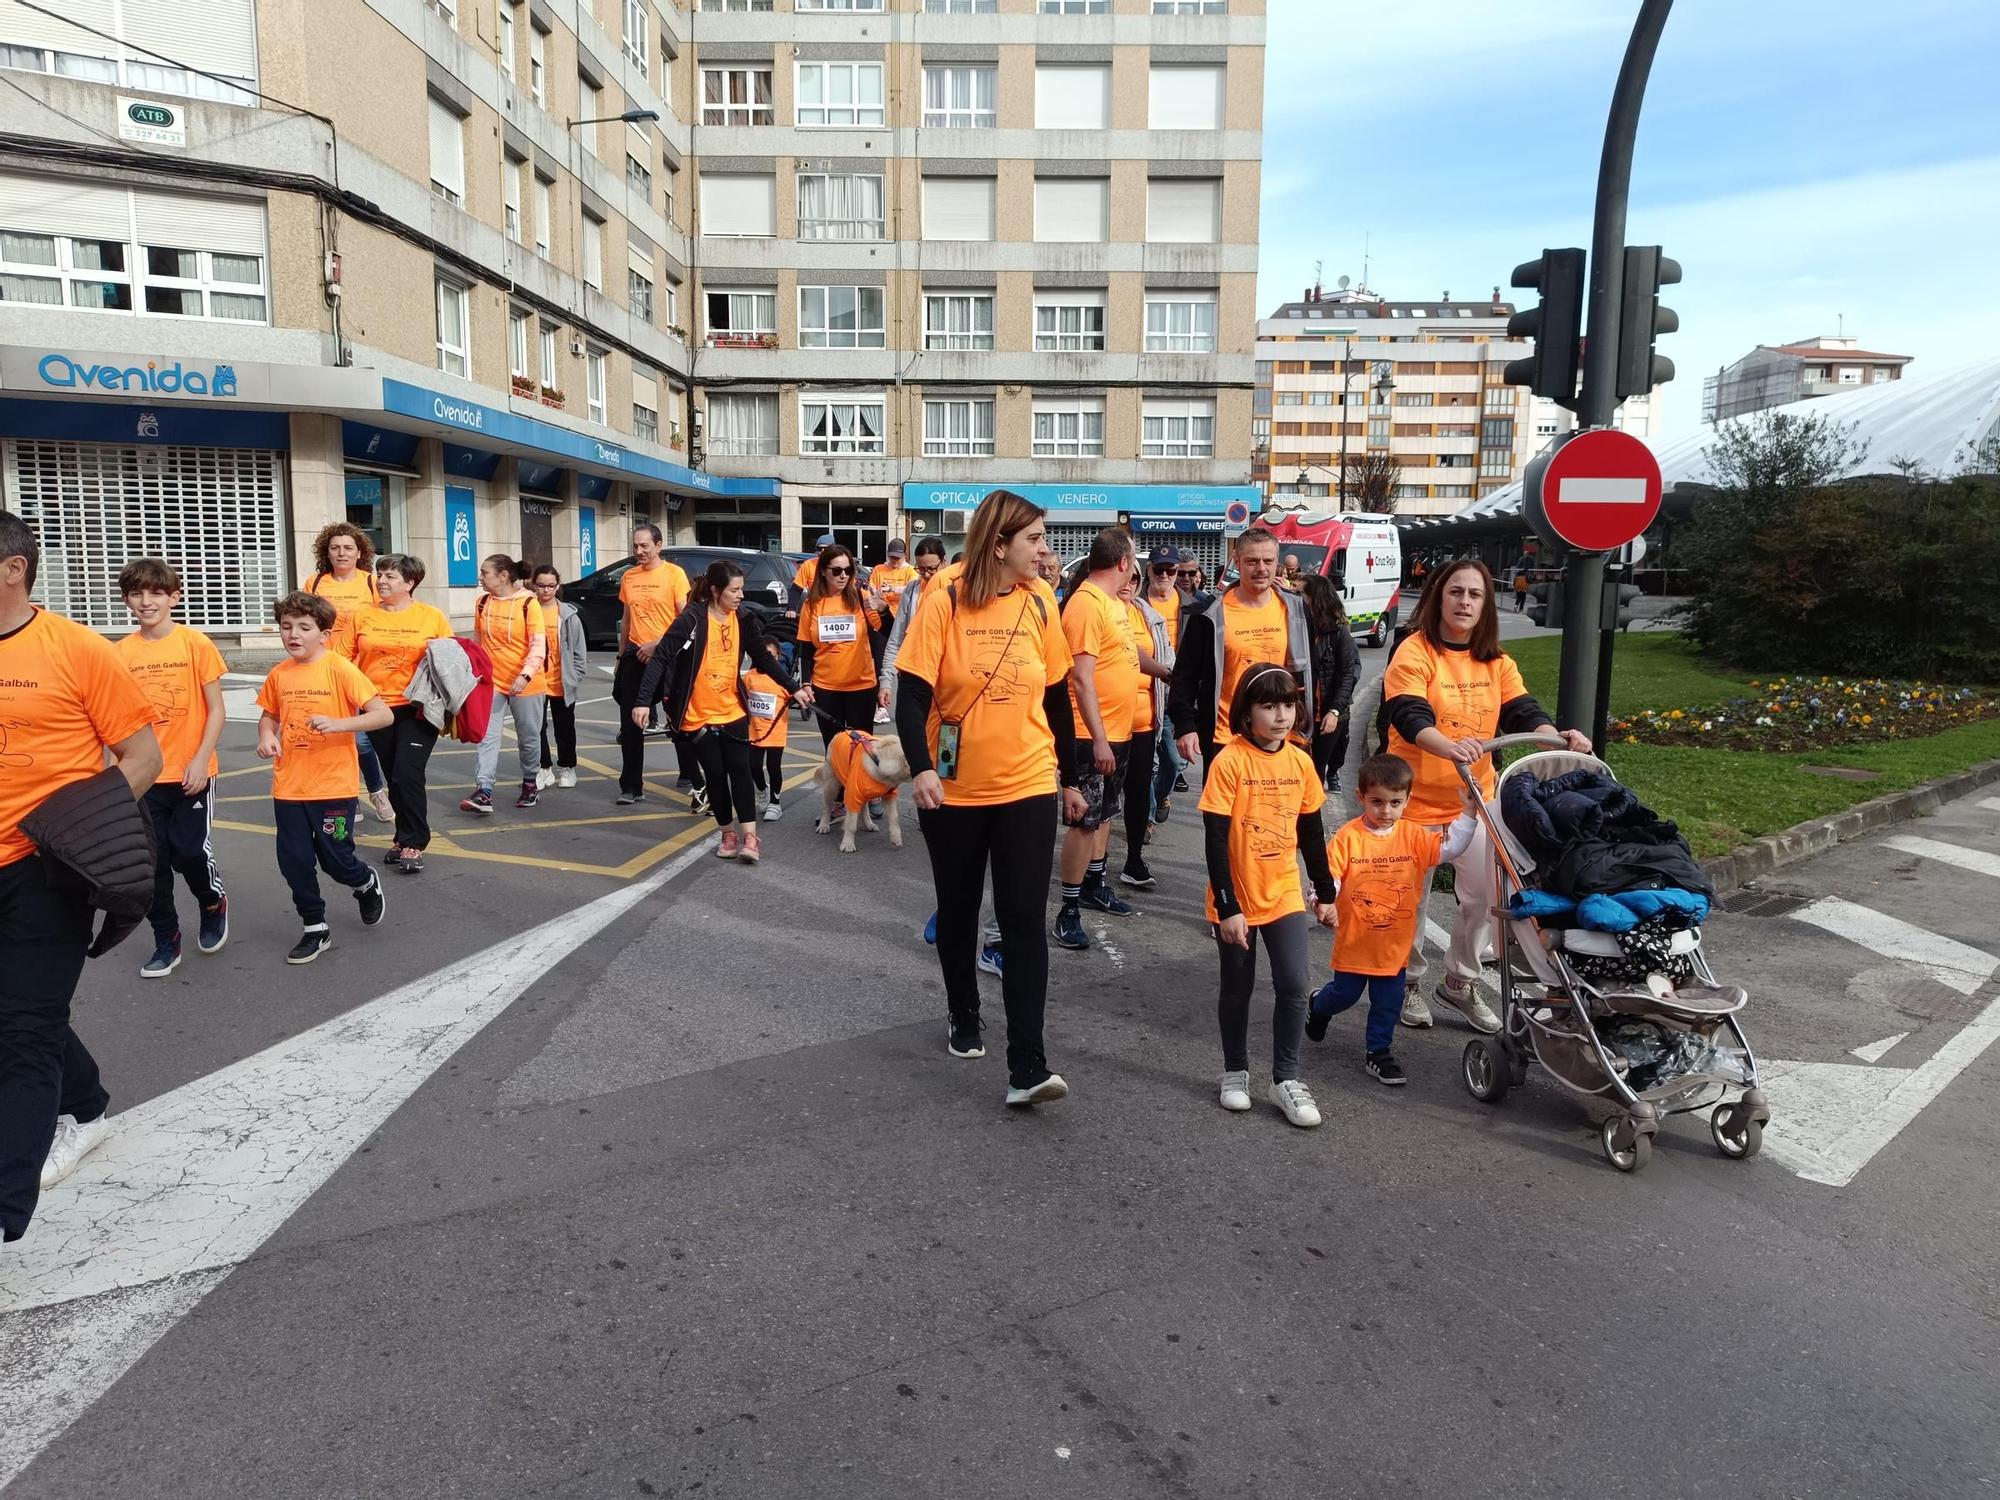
<point x="151" y="378"/>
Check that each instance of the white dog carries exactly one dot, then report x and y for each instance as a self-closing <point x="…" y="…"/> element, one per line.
<point x="868" y="767"/>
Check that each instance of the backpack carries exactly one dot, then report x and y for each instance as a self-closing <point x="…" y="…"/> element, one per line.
<point x="475" y="714"/>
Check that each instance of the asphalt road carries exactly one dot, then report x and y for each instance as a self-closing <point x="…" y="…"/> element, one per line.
<point x="706" y="1209"/>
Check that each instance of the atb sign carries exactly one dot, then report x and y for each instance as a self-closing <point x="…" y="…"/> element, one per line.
<point x="151" y="122"/>
<point x="1594" y="493"/>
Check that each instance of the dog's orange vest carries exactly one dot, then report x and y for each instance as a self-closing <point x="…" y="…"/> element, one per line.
<point x="847" y="752"/>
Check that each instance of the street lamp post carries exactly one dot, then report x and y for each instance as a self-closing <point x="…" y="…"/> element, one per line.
<point x="626" y="117"/>
<point x="1385" y="387"/>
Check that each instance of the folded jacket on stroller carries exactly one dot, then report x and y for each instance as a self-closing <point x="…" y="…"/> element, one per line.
<point x="1589" y="835"/>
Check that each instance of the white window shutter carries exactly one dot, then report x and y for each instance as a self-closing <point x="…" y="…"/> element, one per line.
<point x="1183" y="210"/>
<point x="233" y="226"/>
<point x="740" y="204"/>
<point x="1185" y="98"/>
<point x="958" y="208"/>
<point x="447" y="147"/>
<point x="1072" y="98"/>
<point x="30" y="28"/>
<point x="1071" y="208"/>
<point x="645" y="391"/>
<point x="217" y="35"/>
<point x="55" y="205"/>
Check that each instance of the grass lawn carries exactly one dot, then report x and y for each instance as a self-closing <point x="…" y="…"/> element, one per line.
<point x="1723" y="798"/>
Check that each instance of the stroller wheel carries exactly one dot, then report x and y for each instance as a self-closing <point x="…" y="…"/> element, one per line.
<point x="1488" y="1074"/>
<point x="1624" y="1147"/>
<point x="1737" y="1135"/>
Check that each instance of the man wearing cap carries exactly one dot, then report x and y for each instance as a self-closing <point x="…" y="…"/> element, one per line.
<point x="1171" y="602"/>
<point x="889" y="579"/>
<point x="809" y="569"/>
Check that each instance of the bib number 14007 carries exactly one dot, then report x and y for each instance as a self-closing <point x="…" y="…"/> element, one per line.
<point x="835" y="628"/>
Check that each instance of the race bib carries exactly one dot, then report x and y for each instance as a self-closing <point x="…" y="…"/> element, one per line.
<point x="835" y="628"/>
<point x="763" y="705"/>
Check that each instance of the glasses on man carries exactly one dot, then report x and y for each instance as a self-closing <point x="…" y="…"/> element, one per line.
<point x="1187" y="572"/>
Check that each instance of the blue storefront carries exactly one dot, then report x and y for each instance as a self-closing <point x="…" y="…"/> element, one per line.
<point x="1194" y="518"/>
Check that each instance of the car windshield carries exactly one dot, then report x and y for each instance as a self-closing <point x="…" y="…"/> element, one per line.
<point x="1311" y="559"/>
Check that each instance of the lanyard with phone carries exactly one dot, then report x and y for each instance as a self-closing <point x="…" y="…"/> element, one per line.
<point x="948" y="728"/>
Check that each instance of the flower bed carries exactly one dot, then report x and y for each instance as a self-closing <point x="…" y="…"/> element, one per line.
<point x="1806" y="713"/>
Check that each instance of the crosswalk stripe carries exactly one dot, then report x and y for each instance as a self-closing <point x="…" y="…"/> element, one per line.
<point x="1950" y="962"/>
<point x="1976" y="860"/>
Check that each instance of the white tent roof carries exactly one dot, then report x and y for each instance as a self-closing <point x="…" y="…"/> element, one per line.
<point x="1935" y="420"/>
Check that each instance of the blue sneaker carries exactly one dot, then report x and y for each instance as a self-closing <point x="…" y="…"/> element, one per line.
<point x="215" y="926"/>
<point x="166" y="958"/>
<point x="930" y="930"/>
<point x="990" y="957"/>
<point x="1100" y="897"/>
<point x="1069" y="928"/>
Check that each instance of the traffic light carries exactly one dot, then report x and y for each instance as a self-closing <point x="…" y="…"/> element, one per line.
<point x="1641" y="320"/>
<point x="1556" y="327"/>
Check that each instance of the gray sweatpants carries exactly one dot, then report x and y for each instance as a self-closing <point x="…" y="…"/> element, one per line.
<point x="1285" y="948"/>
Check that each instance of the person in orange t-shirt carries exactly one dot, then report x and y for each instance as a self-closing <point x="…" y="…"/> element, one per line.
<point x="390" y="642"/>
<point x="181" y="673"/>
<point x="652" y="593"/>
<point x="65" y="698"/>
<point x="766" y="698"/>
<point x="1383" y="863"/>
<point x="1260" y="812"/>
<point x="344" y="576"/>
<point x="314" y="703"/>
<point x="836" y="622"/>
<point x="514" y="632"/>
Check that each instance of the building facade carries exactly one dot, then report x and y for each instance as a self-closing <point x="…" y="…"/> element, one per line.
<point x="484" y="276"/>
<point x="1775" y="374"/>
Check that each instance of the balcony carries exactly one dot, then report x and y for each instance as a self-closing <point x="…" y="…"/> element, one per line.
<point x="742" y="341"/>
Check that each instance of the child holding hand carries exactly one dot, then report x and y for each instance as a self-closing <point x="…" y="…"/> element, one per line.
<point x="1260" y="811"/>
<point x="1384" y="868"/>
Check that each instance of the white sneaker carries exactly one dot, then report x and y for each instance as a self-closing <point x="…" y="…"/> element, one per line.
<point x="881" y="716"/>
<point x="545" y="778"/>
<point x="1049" y="1089"/>
<point x="773" y="812"/>
<point x="72" y="1144"/>
<point x="566" y="776"/>
<point x="384" y="809"/>
<point x="1415" y="1011"/>
<point x="1467" y="1001"/>
<point x="1236" y="1091"/>
<point x="1296" y="1100"/>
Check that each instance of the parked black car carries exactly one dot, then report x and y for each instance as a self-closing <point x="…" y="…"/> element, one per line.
<point x="767" y="590"/>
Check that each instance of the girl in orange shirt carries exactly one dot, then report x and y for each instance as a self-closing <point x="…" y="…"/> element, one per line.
<point x="512" y="629"/>
<point x="834" y="655"/>
<point x="345" y="560"/>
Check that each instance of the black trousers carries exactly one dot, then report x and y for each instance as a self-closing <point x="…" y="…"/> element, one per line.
<point x="852" y="708"/>
<point x="561" y="720"/>
<point x="725" y="767"/>
<point x="1139" y="791"/>
<point x="767" y="770"/>
<point x="631" y="739"/>
<point x="45" y="1070"/>
<point x="405" y="751"/>
<point x="181" y="830"/>
<point x="1329" y="751"/>
<point x="1018" y="840"/>
<point x="1209" y="750"/>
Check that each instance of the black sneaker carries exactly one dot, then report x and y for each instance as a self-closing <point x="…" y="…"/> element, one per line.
<point x="1334" y="784"/>
<point x="1101" y="897"/>
<point x="1316" y="1025"/>
<point x="311" y="944"/>
<point x="214" y="926"/>
<point x="372" y="902"/>
<point x="626" y="799"/>
<point x="480" y="802"/>
<point x="962" y="1037"/>
<point x="394" y="856"/>
<point x="529" y="795"/>
<point x="1069" y="928"/>
<point x="1383" y="1068"/>
<point x="1180" y="782"/>
<point x="413" y="862"/>
<point x="1136" y="875"/>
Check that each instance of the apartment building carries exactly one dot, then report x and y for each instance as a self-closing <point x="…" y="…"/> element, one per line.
<point x="1776" y="374"/>
<point x="1346" y="376"/>
<point x="474" y="274"/>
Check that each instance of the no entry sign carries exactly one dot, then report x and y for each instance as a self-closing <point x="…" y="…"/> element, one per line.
<point x="1598" y="491"/>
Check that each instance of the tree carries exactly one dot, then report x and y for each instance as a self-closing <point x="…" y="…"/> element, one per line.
<point x="1369" y="483"/>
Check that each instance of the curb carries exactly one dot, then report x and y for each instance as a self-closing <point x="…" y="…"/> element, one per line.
<point x="1754" y="860"/>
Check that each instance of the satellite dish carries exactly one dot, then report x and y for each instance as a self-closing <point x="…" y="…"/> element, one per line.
<point x="1342" y="283"/>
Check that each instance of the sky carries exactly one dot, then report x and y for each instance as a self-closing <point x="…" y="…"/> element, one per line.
<point x="1804" y="162"/>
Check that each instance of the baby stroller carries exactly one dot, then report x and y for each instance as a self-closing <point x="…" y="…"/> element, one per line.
<point x="1650" y="1044"/>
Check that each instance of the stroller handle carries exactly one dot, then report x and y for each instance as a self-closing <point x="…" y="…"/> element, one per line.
<point x="1547" y="739"/>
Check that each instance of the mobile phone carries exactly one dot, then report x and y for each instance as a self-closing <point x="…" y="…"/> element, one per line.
<point x="947" y="752"/>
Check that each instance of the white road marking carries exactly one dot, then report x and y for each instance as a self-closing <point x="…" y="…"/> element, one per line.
<point x="1991" y="804"/>
<point x="1582" y="491"/>
<point x="1874" y="1052"/>
<point x="1111" y="949"/>
<point x="1950" y="962"/>
<point x="1976" y="860"/>
<point x="190" y="1184"/>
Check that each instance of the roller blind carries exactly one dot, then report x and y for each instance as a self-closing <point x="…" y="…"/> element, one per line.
<point x="1183" y="210"/>
<point x="52" y="205"/>
<point x="181" y="221"/>
<point x="1072" y="98"/>
<point x="447" y="147"/>
<point x="645" y="391"/>
<point x="1185" y="99"/>
<point x="746" y="205"/>
<point x="1070" y="208"/>
<point x="30" y="28"/>
<point x="958" y="208"/>
<point x="218" y="35"/>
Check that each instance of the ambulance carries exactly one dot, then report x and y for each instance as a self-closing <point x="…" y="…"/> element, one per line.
<point x="1362" y="554"/>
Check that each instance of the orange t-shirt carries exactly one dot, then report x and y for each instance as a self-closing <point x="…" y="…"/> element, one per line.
<point x="552" y="655"/>
<point x="172" y="672"/>
<point x="889" y="582"/>
<point x="1382" y="878"/>
<point x="507" y="628"/>
<point x="1013" y="649"/>
<point x="1094" y="625"/>
<point x="314" y="767"/>
<point x="64" y="696"/>
<point x="712" y="699"/>
<point x="1169" y="609"/>
<point x="390" y="643"/>
<point x="1466" y="696"/>
<point x="1142" y="640"/>
<point x="348" y="596"/>
<point x="806" y="572"/>
<point x="768" y="721"/>
<point x="652" y="597"/>
<point x="1249" y="636"/>
<point x="842" y="660"/>
<point x="1263" y="793"/>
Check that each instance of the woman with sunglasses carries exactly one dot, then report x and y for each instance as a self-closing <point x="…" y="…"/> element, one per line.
<point x="835" y="624"/>
<point x="1166" y="595"/>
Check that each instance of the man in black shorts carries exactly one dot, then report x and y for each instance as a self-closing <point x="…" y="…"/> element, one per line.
<point x="1104" y="695"/>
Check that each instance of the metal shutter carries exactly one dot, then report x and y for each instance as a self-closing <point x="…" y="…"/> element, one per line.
<point x="33" y="29"/>
<point x="1071" y="208"/>
<point x="233" y="226"/>
<point x="745" y="205"/>
<point x="1071" y="542"/>
<point x="1183" y="210"/>
<point x="1185" y="98"/>
<point x="56" y="205"/>
<point x="958" y="208"/>
<point x="1072" y="98"/>
<point x="447" y="147"/>
<point x="219" y="36"/>
<point x="216" y="514"/>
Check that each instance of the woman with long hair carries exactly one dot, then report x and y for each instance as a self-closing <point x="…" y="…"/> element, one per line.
<point x="1448" y="687"/>
<point x="344" y="576"/>
<point x="509" y="622"/>
<point x="1336" y="671"/>
<point x="697" y="672"/>
<point x="390" y="640"/>
<point x="835" y="623"/>
<point x="982" y="706"/>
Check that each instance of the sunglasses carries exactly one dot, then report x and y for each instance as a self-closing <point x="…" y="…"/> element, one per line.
<point x="1188" y="572"/>
<point x="838" y="572"/>
<point x="1163" y="571"/>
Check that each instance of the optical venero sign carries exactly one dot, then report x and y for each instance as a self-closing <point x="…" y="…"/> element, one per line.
<point x="154" y="378"/>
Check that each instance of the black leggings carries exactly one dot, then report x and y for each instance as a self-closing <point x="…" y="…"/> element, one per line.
<point x="1018" y="839"/>
<point x="767" y="768"/>
<point x="1330" y="751"/>
<point x="1138" y="791"/>
<point x="849" y="709"/>
<point x="1285" y="948"/>
<point x="404" y="749"/>
<point x="725" y="765"/>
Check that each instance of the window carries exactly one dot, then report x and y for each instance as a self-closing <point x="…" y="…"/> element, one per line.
<point x="674" y="306"/>
<point x="958" y="208"/>
<point x="593" y="384"/>
<point x="593" y="254"/>
<point x="1177" y="429"/>
<point x="518" y="322"/>
<point x="735" y="5"/>
<point x="1073" y="7"/>
<point x="635" y="34"/>
<point x="961" y="7"/>
<point x="1498" y="432"/>
<point x="1190" y="7"/>
<point x="37" y="269"/>
<point x="1069" y="321"/>
<point x="510" y="183"/>
<point x="447" y="152"/>
<point x="1500" y="398"/>
<point x="645" y="422"/>
<point x="840" y="424"/>
<point x="1850" y="375"/>
<point x="1072" y="98"/>
<point x="1183" y="210"/>
<point x="639" y="289"/>
<point x="742" y="425"/>
<point x="736" y="96"/>
<point x="551" y="359"/>
<point x="1072" y="208"/>
<point x="1072" y="427"/>
<point x="838" y="5"/>
<point x="1181" y="325"/>
<point x="538" y="67"/>
<point x="958" y="320"/>
<point x="744" y="205"/>
<point x="1185" y="99"/>
<point x="638" y="180"/>
<point x="743" y="319"/>
<point x="840" y="317"/>
<point x="201" y="284"/>
<point x="453" y="340"/>
<point x="958" y="429"/>
<point x="1495" y="465"/>
<point x="1291" y="398"/>
<point x="507" y="37"/>
<point x="1378" y="430"/>
<point x="839" y="93"/>
<point x="446" y="8"/>
<point x="840" y="206"/>
<point x="544" y="216"/>
<point x="959" y="98"/>
<point x="589" y="106"/>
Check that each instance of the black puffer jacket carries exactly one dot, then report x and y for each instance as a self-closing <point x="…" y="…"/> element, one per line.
<point x="1336" y="669"/>
<point x="1591" y="836"/>
<point x="96" y="832"/>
